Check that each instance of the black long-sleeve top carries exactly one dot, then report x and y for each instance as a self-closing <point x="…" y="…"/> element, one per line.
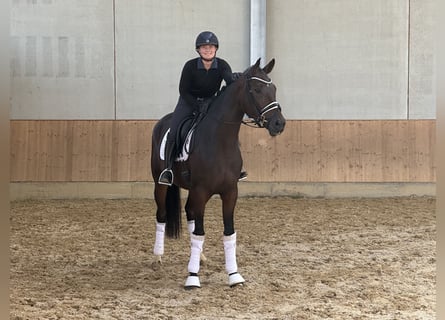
<point x="197" y="82"/>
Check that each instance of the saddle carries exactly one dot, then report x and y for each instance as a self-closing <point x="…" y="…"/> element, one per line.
<point x="183" y="139"/>
<point x="188" y="125"/>
<point x="185" y="129"/>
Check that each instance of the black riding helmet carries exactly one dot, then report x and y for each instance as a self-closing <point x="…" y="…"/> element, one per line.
<point x="206" y="37"/>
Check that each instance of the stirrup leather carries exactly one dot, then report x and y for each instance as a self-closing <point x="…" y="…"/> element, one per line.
<point x="166" y="177"/>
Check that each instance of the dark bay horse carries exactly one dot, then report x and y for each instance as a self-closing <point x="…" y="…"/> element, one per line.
<point x="213" y="166"/>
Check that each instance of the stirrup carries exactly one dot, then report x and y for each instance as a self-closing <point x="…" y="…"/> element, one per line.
<point x="242" y="176"/>
<point x="166" y="177"/>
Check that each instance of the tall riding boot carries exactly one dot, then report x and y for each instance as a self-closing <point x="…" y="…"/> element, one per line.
<point x="243" y="175"/>
<point x="166" y="176"/>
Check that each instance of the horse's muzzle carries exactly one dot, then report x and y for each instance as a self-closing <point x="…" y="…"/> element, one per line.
<point x="276" y="124"/>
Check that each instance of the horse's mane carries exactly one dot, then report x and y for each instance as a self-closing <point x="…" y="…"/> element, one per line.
<point x="226" y="89"/>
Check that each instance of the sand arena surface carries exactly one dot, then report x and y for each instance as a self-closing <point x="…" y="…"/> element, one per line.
<point x="301" y="258"/>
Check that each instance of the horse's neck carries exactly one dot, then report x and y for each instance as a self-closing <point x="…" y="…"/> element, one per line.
<point x="228" y="108"/>
<point x="222" y="124"/>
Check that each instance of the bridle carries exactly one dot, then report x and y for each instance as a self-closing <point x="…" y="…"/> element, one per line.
<point x="261" y="120"/>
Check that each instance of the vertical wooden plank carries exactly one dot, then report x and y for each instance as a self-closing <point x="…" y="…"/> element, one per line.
<point x="395" y="151"/>
<point x="140" y="164"/>
<point x="422" y="141"/>
<point x="340" y="151"/>
<point x="371" y="154"/>
<point x="117" y="167"/>
<point x="101" y="143"/>
<point x="81" y="156"/>
<point x="92" y="147"/>
<point x="133" y="150"/>
<point x="68" y="136"/>
<point x="19" y="150"/>
<point x="306" y="151"/>
<point x="34" y="166"/>
<point x="56" y="158"/>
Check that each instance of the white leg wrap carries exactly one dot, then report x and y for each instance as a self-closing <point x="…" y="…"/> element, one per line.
<point x="195" y="252"/>
<point x="158" y="249"/>
<point x="230" y="253"/>
<point x="191" y="226"/>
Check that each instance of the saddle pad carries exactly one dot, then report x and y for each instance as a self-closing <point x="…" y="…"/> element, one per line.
<point x="183" y="156"/>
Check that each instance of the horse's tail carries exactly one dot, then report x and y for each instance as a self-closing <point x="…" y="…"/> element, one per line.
<point x="173" y="208"/>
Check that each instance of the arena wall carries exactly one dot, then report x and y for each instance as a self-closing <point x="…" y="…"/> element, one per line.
<point x="355" y="79"/>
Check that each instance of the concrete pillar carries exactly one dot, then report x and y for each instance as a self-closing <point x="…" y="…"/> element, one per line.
<point x="258" y="31"/>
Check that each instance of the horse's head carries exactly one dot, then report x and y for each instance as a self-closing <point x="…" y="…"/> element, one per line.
<point x="261" y="105"/>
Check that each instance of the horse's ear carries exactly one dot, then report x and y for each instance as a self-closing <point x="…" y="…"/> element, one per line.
<point x="257" y="63"/>
<point x="268" y="68"/>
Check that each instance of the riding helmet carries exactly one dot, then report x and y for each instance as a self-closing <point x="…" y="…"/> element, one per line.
<point x="206" y="37"/>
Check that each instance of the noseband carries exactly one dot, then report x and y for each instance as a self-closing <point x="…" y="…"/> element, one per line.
<point x="261" y="120"/>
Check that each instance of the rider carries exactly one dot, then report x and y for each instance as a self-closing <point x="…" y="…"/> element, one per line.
<point x="200" y="80"/>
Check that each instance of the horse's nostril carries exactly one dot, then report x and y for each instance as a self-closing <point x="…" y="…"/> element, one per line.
<point x="279" y="124"/>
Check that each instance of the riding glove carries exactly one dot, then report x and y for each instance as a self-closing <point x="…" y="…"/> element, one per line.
<point x="203" y="105"/>
<point x="236" y="75"/>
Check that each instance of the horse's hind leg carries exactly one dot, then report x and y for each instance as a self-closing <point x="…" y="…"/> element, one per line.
<point x="160" y="194"/>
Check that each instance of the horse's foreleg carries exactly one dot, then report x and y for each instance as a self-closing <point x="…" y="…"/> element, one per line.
<point x="229" y="240"/>
<point x="230" y="256"/>
<point x="196" y="244"/>
<point x="191" y="228"/>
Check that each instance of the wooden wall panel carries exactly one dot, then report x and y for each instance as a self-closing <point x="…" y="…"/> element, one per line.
<point x="343" y="151"/>
<point x="132" y="150"/>
<point x="92" y="150"/>
<point x="422" y="145"/>
<point x="307" y="151"/>
<point x="40" y="150"/>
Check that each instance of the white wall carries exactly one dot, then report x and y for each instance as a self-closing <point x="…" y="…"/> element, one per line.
<point x="422" y="80"/>
<point x="62" y="60"/>
<point x="343" y="59"/>
<point x="155" y="38"/>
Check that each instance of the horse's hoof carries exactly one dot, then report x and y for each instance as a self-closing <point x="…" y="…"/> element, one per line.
<point x="192" y="282"/>
<point x="157" y="263"/>
<point x="236" y="279"/>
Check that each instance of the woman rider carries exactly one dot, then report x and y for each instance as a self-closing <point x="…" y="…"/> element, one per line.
<point x="200" y="80"/>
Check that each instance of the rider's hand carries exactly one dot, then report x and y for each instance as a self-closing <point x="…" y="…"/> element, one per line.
<point x="203" y="105"/>
<point x="236" y="75"/>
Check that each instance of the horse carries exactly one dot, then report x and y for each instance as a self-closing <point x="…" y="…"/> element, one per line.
<point x="213" y="166"/>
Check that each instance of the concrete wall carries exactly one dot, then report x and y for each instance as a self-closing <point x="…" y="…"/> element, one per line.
<point x="343" y="59"/>
<point x="422" y="60"/>
<point x="62" y="59"/>
<point x="155" y="38"/>
<point x="347" y="58"/>
<point x="90" y="59"/>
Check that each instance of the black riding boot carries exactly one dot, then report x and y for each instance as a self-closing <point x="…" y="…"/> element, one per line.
<point x="243" y="175"/>
<point x="166" y="176"/>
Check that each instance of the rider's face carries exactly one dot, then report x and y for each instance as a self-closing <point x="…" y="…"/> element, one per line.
<point x="207" y="51"/>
